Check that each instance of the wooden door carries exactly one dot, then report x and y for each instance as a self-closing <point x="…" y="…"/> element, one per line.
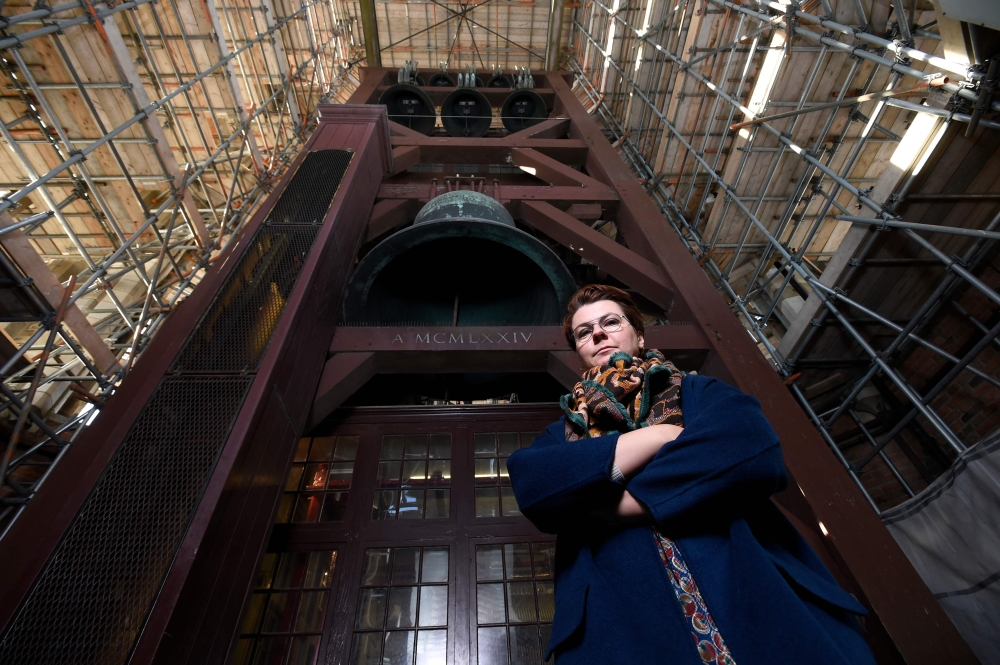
<point x="398" y="541"/>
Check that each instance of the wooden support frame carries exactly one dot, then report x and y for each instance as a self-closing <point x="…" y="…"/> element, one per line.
<point x="656" y="263"/>
<point x="357" y="354"/>
<point x="20" y="249"/>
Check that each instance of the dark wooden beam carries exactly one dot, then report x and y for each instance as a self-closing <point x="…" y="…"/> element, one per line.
<point x="422" y="192"/>
<point x="388" y="215"/>
<point x="639" y="273"/>
<point x="357" y="354"/>
<point x="367" y="92"/>
<point x="585" y="211"/>
<point x="550" y="170"/>
<point x="404" y="157"/>
<point x="553" y="128"/>
<point x="488" y="150"/>
<point x="565" y="367"/>
<point x="342" y="375"/>
<point x="669" y="339"/>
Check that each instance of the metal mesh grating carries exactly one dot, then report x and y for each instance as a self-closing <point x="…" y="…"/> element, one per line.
<point x="312" y="188"/>
<point x="92" y="599"/>
<point x="233" y="334"/>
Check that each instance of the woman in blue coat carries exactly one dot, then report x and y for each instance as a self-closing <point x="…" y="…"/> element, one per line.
<point x="669" y="549"/>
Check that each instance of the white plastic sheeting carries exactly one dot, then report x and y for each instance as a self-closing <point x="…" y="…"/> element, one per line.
<point x="951" y="534"/>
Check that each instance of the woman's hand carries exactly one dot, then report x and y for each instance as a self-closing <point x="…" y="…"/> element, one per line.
<point x="635" y="449"/>
<point x="629" y="510"/>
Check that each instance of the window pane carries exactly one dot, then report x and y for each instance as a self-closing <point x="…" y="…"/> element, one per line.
<point x="486" y="471"/>
<point x="310" y="619"/>
<point x="347" y="448"/>
<point x="504" y="474"/>
<point x="524" y="645"/>
<point x="340" y="475"/>
<point x="544" y="555"/>
<point x="277" y="618"/>
<point x="438" y="504"/>
<point x="509" y="442"/>
<point x="303" y="450"/>
<point x="489" y="603"/>
<point x="439" y="473"/>
<point x="384" y="506"/>
<point x="489" y="562"/>
<point x="405" y="565"/>
<point x="304" y="650"/>
<point x="243" y="651"/>
<point x="367" y="649"/>
<point x="521" y="602"/>
<point x="546" y="601"/>
<point x="334" y="507"/>
<point x="414" y="473"/>
<point x="433" y="606"/>
<point x="376" y="572"/>
<point x="388" y="474"/>
<point x="320" y="567"/>
<point x="307" y="507"/>
<point x="402" y="607"/>
<point x="440" y="449"/>
<point x="527" y="438"/>
<point x="509" y="502"/>
<point x="254" y="613"/>
<point x="416" y="446"/>
<point x="493" y="646"/>
<point x="485" y="444"/>
<point x="398" y="648"/>
<point x="371" y="609"/>
<point x="266" y="573"/>
<point x="291" y="570"/>
<point x="322" y="448"/>
<point x="432" y="647"/>
<point x="270" y="650"/>
<point x="545" y="631"/>
<point x="411" y="504"/>
<point x="518" y="559"/>
<point x="435" y="565"/>
<point x="294" y="477"/>
<point x="392" y="446"/>
<point x="285" y="509"/>
<point x="315" y="476"/>
<point x="487" y="503"/>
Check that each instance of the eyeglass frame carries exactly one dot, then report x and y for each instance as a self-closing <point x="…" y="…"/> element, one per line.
<point x="598" y="320"/>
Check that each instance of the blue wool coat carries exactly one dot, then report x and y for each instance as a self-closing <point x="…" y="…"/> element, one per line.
<point x="772" y="598"/>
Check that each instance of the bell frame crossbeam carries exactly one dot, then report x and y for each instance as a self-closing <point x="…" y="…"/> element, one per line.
<point x="595" y="183"/>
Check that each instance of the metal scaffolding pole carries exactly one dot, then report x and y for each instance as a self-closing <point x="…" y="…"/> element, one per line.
<point x="724" y="198"/>
<point x="188" y="140"/>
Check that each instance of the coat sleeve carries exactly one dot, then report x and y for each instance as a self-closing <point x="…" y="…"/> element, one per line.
<point x="562" y="486"/>
<point x="728" y="454"/>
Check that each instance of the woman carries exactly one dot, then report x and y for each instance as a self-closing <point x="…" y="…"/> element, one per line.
<point x="669" y="549"/>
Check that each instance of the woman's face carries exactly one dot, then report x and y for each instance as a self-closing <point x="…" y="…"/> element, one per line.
<point x="602" y="344"/>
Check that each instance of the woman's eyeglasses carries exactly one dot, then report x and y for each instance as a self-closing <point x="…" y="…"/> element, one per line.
<point x="610" y="323"/>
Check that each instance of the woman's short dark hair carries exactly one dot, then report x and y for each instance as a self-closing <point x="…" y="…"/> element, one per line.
<point x="595" y="293"/>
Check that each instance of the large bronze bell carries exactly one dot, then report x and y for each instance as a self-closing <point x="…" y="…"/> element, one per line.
<point x="462" y="262"/>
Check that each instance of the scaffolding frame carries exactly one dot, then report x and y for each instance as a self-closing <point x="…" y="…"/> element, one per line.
<point x="148" y="157"/>
<point x="704" y="85"/>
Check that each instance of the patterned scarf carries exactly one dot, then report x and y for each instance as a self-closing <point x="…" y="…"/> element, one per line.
<point x="622" y="396"/>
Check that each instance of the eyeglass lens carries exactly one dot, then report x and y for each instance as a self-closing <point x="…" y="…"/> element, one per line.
<point x="610" y="324"/>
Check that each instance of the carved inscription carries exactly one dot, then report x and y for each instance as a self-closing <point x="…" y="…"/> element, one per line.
<point x="509" y="337"/>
